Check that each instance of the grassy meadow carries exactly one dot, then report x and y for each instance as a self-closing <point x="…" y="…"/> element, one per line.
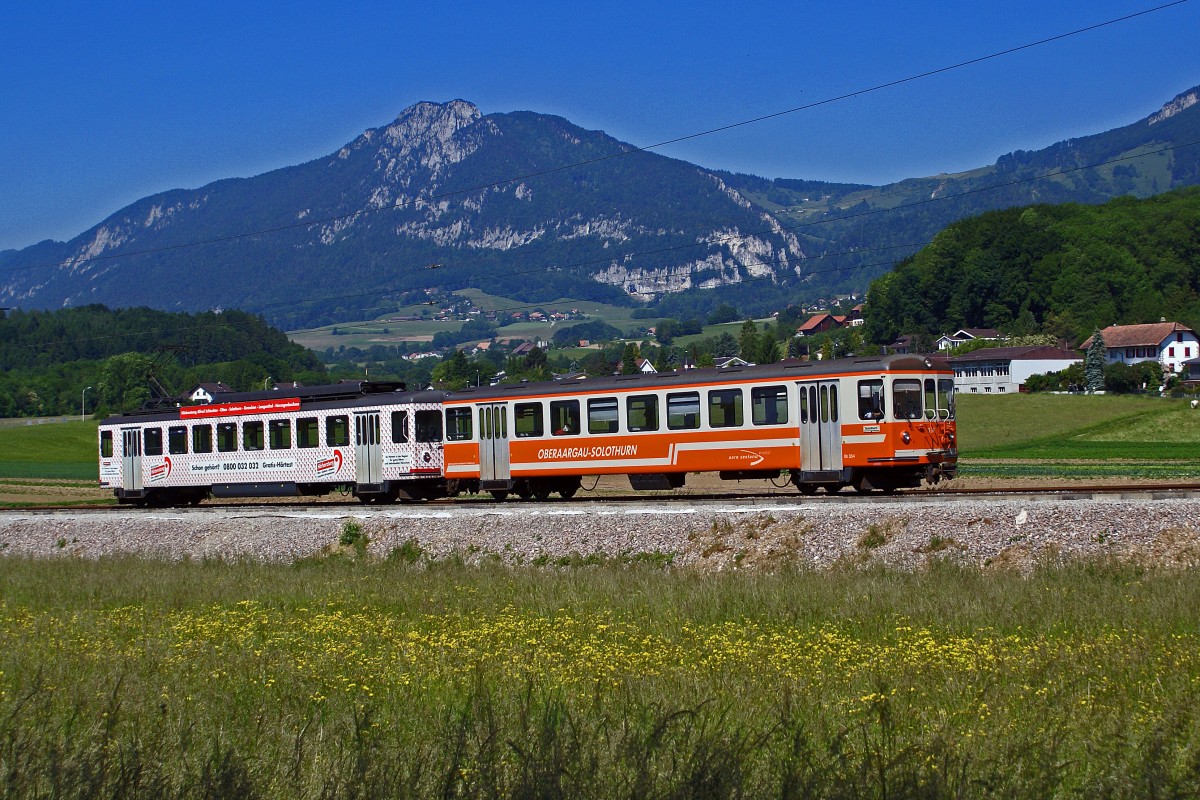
<point x="337" y="678"/>
<point x="1078" y="436"/>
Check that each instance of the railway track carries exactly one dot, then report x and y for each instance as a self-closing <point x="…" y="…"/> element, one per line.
<point x="1140" y="491"/>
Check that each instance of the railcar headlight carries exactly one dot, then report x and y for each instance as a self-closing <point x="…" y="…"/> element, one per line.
<point x="906" y="437"/>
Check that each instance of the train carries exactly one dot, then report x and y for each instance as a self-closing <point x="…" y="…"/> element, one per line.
<point x="874" y="424"/>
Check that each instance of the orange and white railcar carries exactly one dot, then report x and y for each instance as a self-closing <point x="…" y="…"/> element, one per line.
<point x="872" y="423"/>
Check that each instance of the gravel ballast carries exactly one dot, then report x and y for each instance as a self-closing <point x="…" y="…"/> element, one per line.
<point x="712" y="536"/>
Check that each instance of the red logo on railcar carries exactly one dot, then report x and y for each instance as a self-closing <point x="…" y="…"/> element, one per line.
<point x="161" y="471"/>
<point x="330" y="465"/>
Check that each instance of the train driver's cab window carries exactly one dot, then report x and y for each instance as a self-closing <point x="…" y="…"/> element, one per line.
<point x="527" y="420"/>
<point x="177" y="440"/>
<point x="399" y="427"/>
<point x="906" y="399"/>
<point x="226" y="437"/>
<point x="641" y="412"/>
<point x="281" y="434"/>
<point x="725" y="408"/>
<point x="683" y="411"/>
<point x="252" y="435"/>
<point x="106" y="446"/>
<point x="152" y="442"/>
<point x="564" y="417"/>
<point x="458" y="424"/>
<point x="337" y="431"/>
<point x="307" y="432"/>
<point x="602" y="415"/>
<point x="202" y="438"/>
<point x="769" y="405"/>
<point x="429" y="426"/>
<point x="870" y="399"/>
<point x="945" y="398"/>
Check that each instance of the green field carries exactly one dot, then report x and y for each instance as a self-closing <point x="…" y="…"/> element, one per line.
<point x="1078" y="436"/>
<point x="65" y="450"/>
<point x="367" y="333"/>
<point x="404" y="677"/>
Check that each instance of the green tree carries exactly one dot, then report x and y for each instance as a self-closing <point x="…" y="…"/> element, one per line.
<point x="124" y="382"/>
<point x="1093" y="363"/>
<point x="748" y="341"/>
<point x="629" y="359"/>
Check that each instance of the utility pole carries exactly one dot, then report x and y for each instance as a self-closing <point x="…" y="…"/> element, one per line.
<point x="82" y="404"/>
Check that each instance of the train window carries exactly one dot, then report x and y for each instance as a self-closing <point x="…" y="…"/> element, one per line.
<point x="833" y="402"/>
<point x="564" y="417"/>
<point x="870" y="399"/>
<point x="226" y="437"/>
<point x="106" y="447"/>
<point x="930" y="398"/>
<point x="307" y="432"/>
<point x="641" y="412"/>
<point x="725" y="408"/>
<point x="946" y="398"/>
<point x="281" y="434"/>
<point x="484" y="418"/>
<point x="603" y="415"/>
<point x="400" y="427"/>
<point x="337" y="431"/>
<point x="458" y="424"/>
<point x="803" y="406"/>
<point x="177" y="440"/>
<point x="527" y="420"/>
<point x="429" y="426"/>
<point x="768" y="405"/>
<point x="153" y="441"/>
<point x="202" y="438"/>
<point x="906" y="399"/>
<point x="683" y="411"/>
<point x="252" y="435"/>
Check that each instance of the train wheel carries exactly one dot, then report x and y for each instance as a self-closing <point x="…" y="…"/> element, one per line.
<point x="500" y="495"/>
<point x="807" y="488"/>
<point x="541" y="493"/>
<point x="523" y="490"/>
<point x="567" y="492"/>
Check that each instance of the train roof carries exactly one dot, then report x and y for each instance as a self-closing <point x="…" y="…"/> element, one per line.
<point x="783" y="370"/>
<point x="346" y="394"/>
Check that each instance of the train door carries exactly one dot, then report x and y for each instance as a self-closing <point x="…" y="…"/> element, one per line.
<point x="820" y="430"/>
<point x="368" y="455"/>
<point x="131" y="459"/>
<point x="494" y="471"/>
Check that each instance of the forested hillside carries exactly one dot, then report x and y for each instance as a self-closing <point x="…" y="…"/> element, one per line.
<point x="1064" y="270"/>
<point x="48" y="358"/>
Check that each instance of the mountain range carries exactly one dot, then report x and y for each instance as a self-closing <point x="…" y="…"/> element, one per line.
<point x="531" y="207"/>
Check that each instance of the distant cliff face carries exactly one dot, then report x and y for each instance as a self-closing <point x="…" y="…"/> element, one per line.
<point x="1182" y="102"/>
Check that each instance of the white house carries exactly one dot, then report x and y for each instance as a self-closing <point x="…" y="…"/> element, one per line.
<point x="1169" y="343"/>
<point x="206" y="392"/>
<point x="949" y="341"/>
<point x="1004" y="370"/>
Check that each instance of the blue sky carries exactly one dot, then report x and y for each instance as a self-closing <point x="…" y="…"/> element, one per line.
<point x="105" y="103"/>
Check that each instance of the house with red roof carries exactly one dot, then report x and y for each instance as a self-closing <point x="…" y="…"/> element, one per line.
<point x="1169" y="343"/>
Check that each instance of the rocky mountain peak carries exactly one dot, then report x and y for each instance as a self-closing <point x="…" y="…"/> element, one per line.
<point x="431" y="122"/>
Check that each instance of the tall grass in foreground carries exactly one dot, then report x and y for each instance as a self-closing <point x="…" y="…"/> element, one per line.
<point x="340" y="678"/>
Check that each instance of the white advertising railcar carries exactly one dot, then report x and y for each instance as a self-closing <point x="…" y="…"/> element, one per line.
<point x="376" y="440"/>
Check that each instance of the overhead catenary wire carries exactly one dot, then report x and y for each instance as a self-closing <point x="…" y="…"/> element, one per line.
<point x="624" y="152"/>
